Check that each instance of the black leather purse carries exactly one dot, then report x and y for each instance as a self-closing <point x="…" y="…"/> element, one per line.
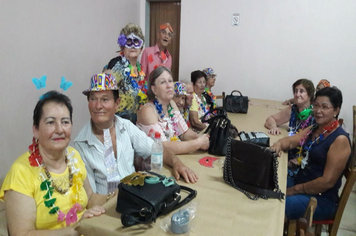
<point x="220" y="129"/>
<point x="236" y="104"/>
<point x="157" y="196"/>
<point x="252" y="169"/>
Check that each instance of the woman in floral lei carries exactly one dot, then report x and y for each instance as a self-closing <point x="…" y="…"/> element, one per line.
<point x="46" y="191"/>
<point x="128" y="72"/>
<point x="210" y="82"/>
<point x="300" y="116"/>
<point x="162" y="115"/>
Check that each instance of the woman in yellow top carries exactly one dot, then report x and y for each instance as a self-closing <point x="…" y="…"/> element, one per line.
<point x="46" y="191"/>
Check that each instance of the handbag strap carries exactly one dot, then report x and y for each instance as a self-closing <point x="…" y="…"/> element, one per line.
<point x="218" y="111"/>
<point x="261" y="193"/>
<point x="145" y="215"/>
<point x="236" y="91"/>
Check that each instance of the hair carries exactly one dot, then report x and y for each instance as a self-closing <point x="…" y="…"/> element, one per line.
<point x="114" y="92"/>
<point x="152" y="79"/>
<point x="334" y="94"/>
<point x="133" y="28"/>
<point x="51" y="96"/>
<point x="195" y="75"/>
<point x="308" y="85"/>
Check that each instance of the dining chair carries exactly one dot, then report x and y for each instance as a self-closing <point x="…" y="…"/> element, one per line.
<point x="222" y="96"/>
<point x="294" y="226"/>
<point x="350" y="175"/>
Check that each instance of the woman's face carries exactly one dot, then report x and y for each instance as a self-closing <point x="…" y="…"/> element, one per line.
<point x="180" y="101"/>
<point x="211" y="81"/>
<point x="54" y="129"/>
<point x="199" y="86"/>
<point x="323" y="110"/>
<point x="301" y="97"/>
<point x="163" y="87"/>
<point x="131" y="53"/>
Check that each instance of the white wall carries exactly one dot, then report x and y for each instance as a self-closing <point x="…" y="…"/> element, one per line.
<point x="74" y="39"/>
<point x="276" y="43"/>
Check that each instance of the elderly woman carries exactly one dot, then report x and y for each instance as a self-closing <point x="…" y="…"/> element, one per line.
<point x="326" y="151"/>
<point x="47" y="191"/>
<point x="128" y="72"/>
<point x="161" y="114"/>
<point x="199" y="105"/>
<point x="180" y="93"/>
<point x="210" y="82"/>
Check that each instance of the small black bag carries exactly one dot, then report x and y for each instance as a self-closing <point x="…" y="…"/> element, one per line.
<point x="258" y="138"/>
<point x="236" y="104"/>
<point x="219" y="131"/>
<point x="251" y="168"/>
<point x="143" y="204"/>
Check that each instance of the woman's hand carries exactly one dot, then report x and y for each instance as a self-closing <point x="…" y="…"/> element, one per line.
<point x="94" y="211"/>
<point x="274" y="131"/>
<point x="277" y="147"/>
<point x="204" y="141"/>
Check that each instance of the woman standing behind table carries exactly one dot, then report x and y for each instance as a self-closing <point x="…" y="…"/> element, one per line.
<point x="46" y="191"/>
<point x="199" y="105"/>
<point x="161" y="115"/>
<point x="128" y="72"/>
<point x="326" y="151"/>
<point x="210" y="82"/>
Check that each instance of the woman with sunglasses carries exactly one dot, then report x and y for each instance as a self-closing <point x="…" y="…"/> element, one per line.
<point x="128" y="72"/>
<point x="326" y="151"/>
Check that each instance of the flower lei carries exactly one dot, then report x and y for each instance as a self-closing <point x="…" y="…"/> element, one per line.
<point x="212" y="96"/>
<point x="202" y="104"/>
<point x="308" y="145"/>
<point x="36" y="160"/>
<point x="298" y="122"/>
<point x="171" y="120"/>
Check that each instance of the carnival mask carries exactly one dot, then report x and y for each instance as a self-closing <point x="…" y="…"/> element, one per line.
<point x="131" y="41"/>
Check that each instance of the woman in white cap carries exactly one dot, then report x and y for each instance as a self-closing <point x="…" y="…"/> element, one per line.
<point x="162" y="115"/>
<point x="210" y="82"/>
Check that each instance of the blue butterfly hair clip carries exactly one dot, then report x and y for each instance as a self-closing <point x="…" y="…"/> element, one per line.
<point x="40" y="83"/>
<point x="65" y="84"/>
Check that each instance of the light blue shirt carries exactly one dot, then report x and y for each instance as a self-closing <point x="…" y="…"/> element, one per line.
<point x="130" y="142"/>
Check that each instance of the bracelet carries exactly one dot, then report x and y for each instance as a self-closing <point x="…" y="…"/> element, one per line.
<point x="303" y="188"/>
<point x="109" y="196"/>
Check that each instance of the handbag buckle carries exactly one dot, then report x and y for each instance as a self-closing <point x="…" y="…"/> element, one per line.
<point x="223" y="124"/>
<point x="177" y="196"/>
<point x="143" y="211"/>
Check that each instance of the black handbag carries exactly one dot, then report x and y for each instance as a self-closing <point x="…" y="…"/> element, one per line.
<point x="236" y="104"/>
<point x="157" y="196"/>
<point x="252" y="169"/>
<point x="218" y="129"/>
<point x="258" y="138"/>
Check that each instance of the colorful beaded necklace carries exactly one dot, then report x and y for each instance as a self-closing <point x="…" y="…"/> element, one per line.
<point x="300" y="120"/>
<point x="212" y="96"/>
<point x="308" y="145"/>
<point x="48" y="185"/>
<point x="170" y="120"/>
<point x="202" y="103"/>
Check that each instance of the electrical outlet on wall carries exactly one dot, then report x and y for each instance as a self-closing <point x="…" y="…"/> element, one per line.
<point x="235" y="20"/>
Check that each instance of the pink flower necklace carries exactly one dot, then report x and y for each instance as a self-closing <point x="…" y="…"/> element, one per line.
<point x="48" y="185"/>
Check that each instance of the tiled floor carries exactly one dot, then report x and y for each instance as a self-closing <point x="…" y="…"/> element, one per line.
<point x="347" y="226"/>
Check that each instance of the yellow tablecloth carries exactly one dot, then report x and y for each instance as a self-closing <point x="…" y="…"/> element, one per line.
<point x="222" y="210"/>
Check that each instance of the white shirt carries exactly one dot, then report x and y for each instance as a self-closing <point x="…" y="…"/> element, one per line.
<point x="130" y="142"/>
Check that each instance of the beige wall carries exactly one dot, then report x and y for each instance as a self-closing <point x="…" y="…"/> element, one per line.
<point x="277" y="42"/>
<point x="74" y="39"/>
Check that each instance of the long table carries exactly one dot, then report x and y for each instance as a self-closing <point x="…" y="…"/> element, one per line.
<point x="221" y="209"/>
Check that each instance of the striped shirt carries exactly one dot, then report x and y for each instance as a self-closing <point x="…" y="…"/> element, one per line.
<point x="130" y="142"/>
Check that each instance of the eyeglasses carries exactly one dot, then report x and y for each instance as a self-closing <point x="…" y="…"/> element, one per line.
<point x="164" y="32"/>
<point x="323" y="107"/>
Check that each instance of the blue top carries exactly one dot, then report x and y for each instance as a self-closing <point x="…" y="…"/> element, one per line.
<point x="316" y="163"/>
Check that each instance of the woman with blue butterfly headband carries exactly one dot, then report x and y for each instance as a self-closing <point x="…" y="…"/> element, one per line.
<point x="162" y="115"/>
<point x="128" y="72"/>
<point x="300" y="116"/>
